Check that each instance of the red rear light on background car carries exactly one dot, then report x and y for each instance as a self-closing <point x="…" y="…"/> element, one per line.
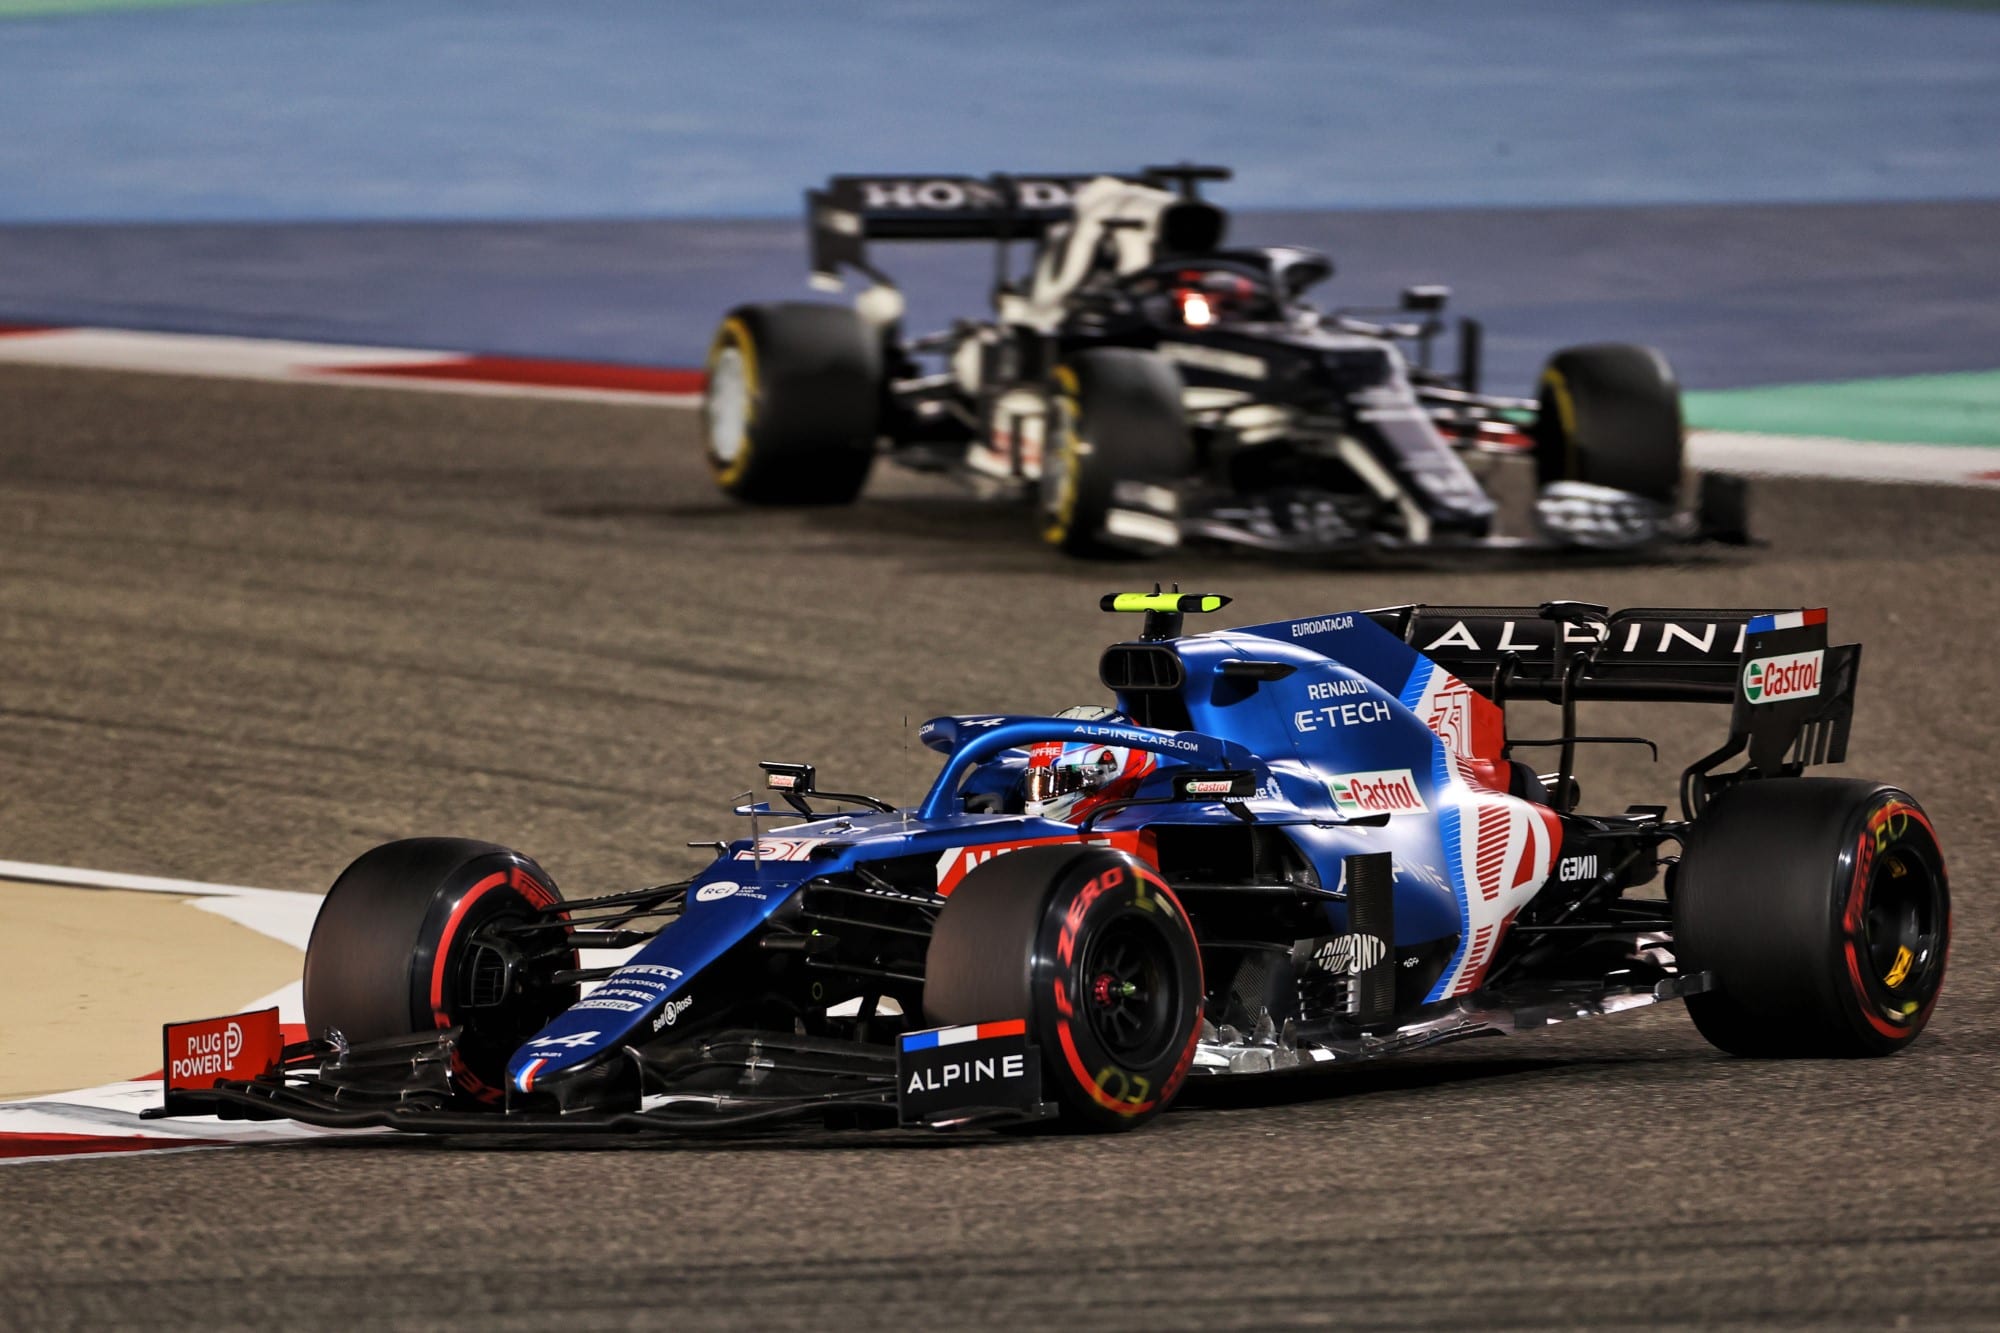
<point x="1196" y="312"/>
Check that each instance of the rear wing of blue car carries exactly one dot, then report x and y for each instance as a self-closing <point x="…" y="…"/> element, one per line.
<point x="1791" y="694"/>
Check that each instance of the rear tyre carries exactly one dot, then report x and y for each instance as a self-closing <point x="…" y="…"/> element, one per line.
<point x="1822" y="907"/>
<point x="1610" y="415"/>
<point x="1118" y="418"/>
<point x="397" y="949"/>
<point x="793" y="404"/>
<point x="1093" y="949"/>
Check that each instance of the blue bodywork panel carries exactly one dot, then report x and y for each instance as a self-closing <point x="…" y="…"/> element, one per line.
<point x="1360" y="727"/>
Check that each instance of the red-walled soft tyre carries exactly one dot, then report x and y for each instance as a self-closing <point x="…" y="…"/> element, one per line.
<point x="397" y="949"/>
<point x="1093" y="949"/>
<point x="1822" y="908"/>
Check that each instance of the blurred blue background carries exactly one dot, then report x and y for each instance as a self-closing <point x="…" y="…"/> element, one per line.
<point x="1753" y="185"/>
<point x="310" y="109"/>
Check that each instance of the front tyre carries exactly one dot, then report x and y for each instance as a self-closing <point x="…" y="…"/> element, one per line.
<point x="792" y="406"/>
<point x="398" y="948"/>
<point x="1610" y="415"/>
<point x="1093" y="949"/>
<point x="1822" y="908"/>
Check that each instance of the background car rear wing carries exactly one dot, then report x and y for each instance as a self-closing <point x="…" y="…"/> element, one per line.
<point x="1791" y="693"/>
<point x="853" y="210"/>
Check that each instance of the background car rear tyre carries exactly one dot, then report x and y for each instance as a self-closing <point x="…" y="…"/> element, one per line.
<point x="1093" y="949"/>
<point x="393" y="952"/>
<point x="793" y="404"/>
<point x="1610" y="415"/>
<point x="1822" y="907"/>
<point x="1118" y="418"/>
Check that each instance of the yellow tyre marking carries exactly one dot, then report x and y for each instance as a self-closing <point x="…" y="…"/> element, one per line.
<point x="735" y="331"/>
<point x="1131" y="1091"/>
<point x="1072" y="459"/>
<point x="1553" y="380"/>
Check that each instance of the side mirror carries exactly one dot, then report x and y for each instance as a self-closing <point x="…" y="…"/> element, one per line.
<point x="1428" y="299"/>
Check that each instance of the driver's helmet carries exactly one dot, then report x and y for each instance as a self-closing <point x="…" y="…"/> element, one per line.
<point x="1066" y="780"/>
<point x="1207" y="296"/>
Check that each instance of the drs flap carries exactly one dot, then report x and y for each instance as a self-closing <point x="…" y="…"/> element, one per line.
<point x="944" y="1074"/>
<point x="208" y="1051"/>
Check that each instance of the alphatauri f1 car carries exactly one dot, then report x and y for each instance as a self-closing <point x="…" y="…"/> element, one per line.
<point x="1145" y="386"/>
<point x="1275" y="848"/>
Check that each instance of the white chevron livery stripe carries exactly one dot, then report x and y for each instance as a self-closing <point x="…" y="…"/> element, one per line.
<point x="1506" y="851"/>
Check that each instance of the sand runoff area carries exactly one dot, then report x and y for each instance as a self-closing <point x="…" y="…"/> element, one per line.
<point x="87" y="976"/>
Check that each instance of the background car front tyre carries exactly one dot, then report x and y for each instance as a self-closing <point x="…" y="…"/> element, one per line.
<point x="1610" y="415"/>
<point x="1093" y="949"/>
<point x="1118" y="418"/>
<point x="792" y="406"/>
<point x="1822" y="908"/>
<point x="396" y="949"/>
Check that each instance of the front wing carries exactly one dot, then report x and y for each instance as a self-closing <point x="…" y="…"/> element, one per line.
<point x="974" y="1077"/>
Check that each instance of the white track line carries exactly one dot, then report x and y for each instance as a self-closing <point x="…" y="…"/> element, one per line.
<point x="72" y="877"/>
<point x="1845" y="460"/>
<point x="285" y="917"/>
<point x="200" y="354"/>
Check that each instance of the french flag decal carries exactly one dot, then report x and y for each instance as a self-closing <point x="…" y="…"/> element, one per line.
<point x="1787" y="620"/>
<point x="923" y="1041"/>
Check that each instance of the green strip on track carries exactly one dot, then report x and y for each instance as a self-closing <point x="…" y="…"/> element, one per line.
<point x="1919" y="409"/>
<point x="42" y="9"/>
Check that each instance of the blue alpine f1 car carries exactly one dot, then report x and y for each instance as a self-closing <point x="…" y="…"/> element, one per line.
<point x="1272" y="848"/>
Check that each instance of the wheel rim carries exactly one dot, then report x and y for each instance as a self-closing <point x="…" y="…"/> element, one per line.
<point x="1902" y="923"/>
<point x="496" y="1018"/>
<point x="727" y="405"/>
<point x="1131" y="990"/>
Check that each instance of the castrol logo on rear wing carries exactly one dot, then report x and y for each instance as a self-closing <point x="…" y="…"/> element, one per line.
<point x="1770" y="680"/>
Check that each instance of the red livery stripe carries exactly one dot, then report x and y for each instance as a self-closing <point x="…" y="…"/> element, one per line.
<point x="541" y="373"/>
<point x="71" y="1145"/>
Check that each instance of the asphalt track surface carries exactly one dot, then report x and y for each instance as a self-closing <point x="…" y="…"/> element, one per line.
<point x="250" y="629"/>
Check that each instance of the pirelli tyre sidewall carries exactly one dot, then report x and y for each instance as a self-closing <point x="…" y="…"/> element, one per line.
<point x="395" y="950"/>
<point x="792" y="407"/>
<point x="1822" y="908"/>
<point x="1095" y="951"/>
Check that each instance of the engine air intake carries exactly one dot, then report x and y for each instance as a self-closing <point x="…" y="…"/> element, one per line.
<point x="1140" y="667"/>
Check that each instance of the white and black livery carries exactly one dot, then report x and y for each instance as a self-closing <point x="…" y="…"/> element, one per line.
<point x="1143" y="384"/>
